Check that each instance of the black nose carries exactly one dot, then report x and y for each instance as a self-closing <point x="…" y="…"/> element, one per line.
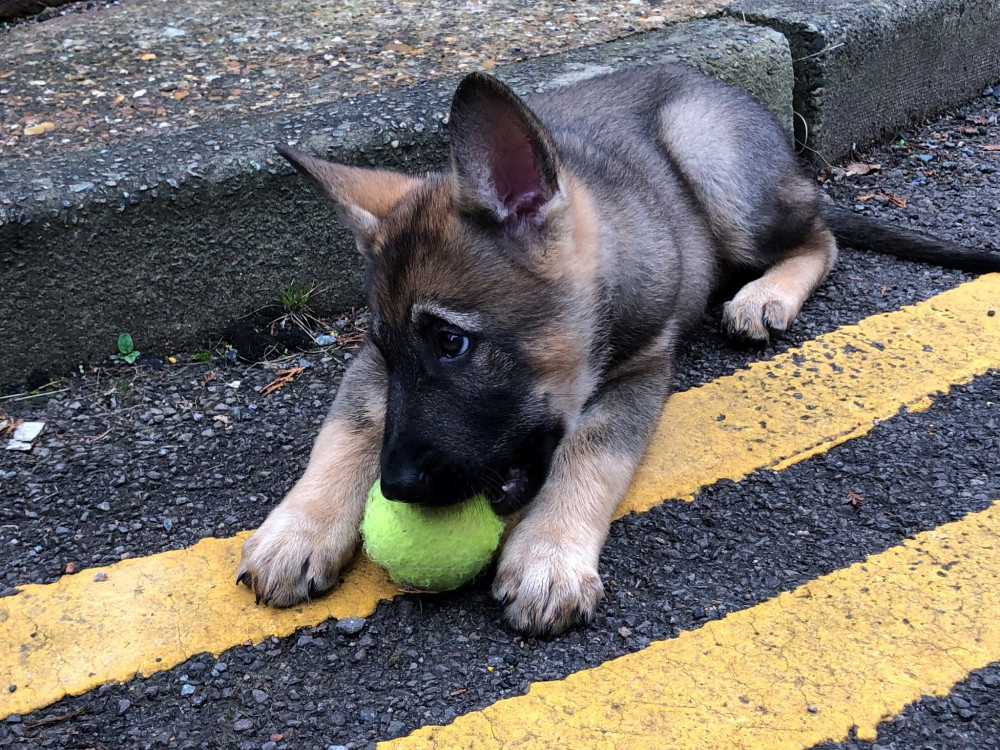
<point x="403" y="478"/>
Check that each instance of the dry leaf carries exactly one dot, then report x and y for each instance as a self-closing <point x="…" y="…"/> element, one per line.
<point x="854" y="499"/>
<point x="861" y="168"/>
<point x="147" y="56"/>
<point x="897" y="201"/>
<point x="284" y="377"/>
<point x="991" y="147"/>
<point x="42" y="127"/>
<point x="863" y="198"/>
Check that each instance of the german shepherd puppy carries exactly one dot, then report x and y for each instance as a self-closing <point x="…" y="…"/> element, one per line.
<point x="526" y="306"/>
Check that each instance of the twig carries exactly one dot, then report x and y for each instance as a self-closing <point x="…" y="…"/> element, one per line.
<point x="28" y="396"/>
<point x="54" y="719"/>
<point x="821" y="52"/>
<point x="284" y="377"/>
<point x="94" y="439"/>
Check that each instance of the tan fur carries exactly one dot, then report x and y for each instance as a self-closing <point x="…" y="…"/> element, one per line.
<point x="773" y="300"/>
<point x="548" y="567"/>
<point x="562" y="358"/>
<point x="313" y="533"/>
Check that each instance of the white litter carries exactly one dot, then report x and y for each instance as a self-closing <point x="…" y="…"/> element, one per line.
<point x="25" y="435"/>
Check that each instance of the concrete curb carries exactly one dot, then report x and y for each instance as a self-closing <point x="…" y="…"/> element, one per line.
<point x="863" y="69"/>
<point x="169" y="239"/>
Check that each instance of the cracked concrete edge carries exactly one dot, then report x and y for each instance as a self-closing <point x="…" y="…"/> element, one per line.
<point x="169" y="239"/>
<point x="862" y="70"/>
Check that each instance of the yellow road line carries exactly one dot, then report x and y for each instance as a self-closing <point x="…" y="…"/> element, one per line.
<point x="830" y="390"/>
<point x="848" y="649"/>
<point x="153" y="613"/>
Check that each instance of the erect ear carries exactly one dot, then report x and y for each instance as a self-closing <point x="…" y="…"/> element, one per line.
<point x="503" y="158"/>
<point x="362" y="197"/>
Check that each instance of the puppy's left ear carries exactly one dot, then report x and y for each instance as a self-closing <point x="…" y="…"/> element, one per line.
<point x="362" y="197"/>
<point x="503" y="157"/>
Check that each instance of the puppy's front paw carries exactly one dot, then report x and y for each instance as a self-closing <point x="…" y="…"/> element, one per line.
<point x="293" y="557"/>
<point x="546" y="584"/>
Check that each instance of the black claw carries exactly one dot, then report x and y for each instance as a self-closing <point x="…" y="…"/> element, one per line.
<point x="243" y="578"/>
<point x="311" y="589"/>
<point x="256" y="597"/>
<point x="267" y="599"/>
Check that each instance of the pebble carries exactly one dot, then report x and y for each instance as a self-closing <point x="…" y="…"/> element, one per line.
<point x="187" y="690"/>
<point x="100" y="576"/>
<point x="242" y="725"/>
<point x="325" y="340"/>
<point x="123" y="705"/>
<point x="350" y="626"/>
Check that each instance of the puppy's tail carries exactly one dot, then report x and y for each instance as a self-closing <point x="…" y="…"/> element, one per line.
<point x="864" y="233"/>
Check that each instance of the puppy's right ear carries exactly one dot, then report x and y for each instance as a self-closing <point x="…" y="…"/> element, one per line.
<point x="362" y="197"/>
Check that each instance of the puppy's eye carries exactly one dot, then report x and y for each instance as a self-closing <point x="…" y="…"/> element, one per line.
<point x="451" y="345"/>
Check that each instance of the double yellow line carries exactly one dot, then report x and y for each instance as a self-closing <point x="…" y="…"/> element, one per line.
<point x="847" y="649"/>
<point x="155" y="612"/>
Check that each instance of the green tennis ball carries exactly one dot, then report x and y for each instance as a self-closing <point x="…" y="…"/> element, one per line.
<point x="432" y="549"/>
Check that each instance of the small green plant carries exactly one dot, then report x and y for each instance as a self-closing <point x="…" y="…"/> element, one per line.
<point x="295" y="297"/>
<point x="126" y="349"/>
<point x="203" y="357"/>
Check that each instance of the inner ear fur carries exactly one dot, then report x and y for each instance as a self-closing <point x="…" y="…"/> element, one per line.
<point x="503" y="157"/>
<point x="362" y="197"/>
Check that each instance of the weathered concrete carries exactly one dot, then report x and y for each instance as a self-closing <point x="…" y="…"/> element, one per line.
<point x="169" y="239"/>
<point x="863" y="69"/>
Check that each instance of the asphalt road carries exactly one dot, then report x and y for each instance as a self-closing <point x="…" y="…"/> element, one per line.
<point x="136" y="462"/>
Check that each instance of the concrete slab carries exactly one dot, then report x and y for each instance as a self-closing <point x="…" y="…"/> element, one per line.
<point x="149" y="67"/>
<point x="169" y="238"/>
<point x="864" y="69"/>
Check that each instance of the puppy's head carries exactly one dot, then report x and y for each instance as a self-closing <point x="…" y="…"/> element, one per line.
<point x="482" y="289"/>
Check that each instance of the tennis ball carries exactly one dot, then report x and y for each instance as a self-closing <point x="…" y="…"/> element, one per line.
<point x="430" y="548"/>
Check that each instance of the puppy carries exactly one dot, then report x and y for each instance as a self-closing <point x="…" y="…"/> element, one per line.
<point x="525" y="310"/>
